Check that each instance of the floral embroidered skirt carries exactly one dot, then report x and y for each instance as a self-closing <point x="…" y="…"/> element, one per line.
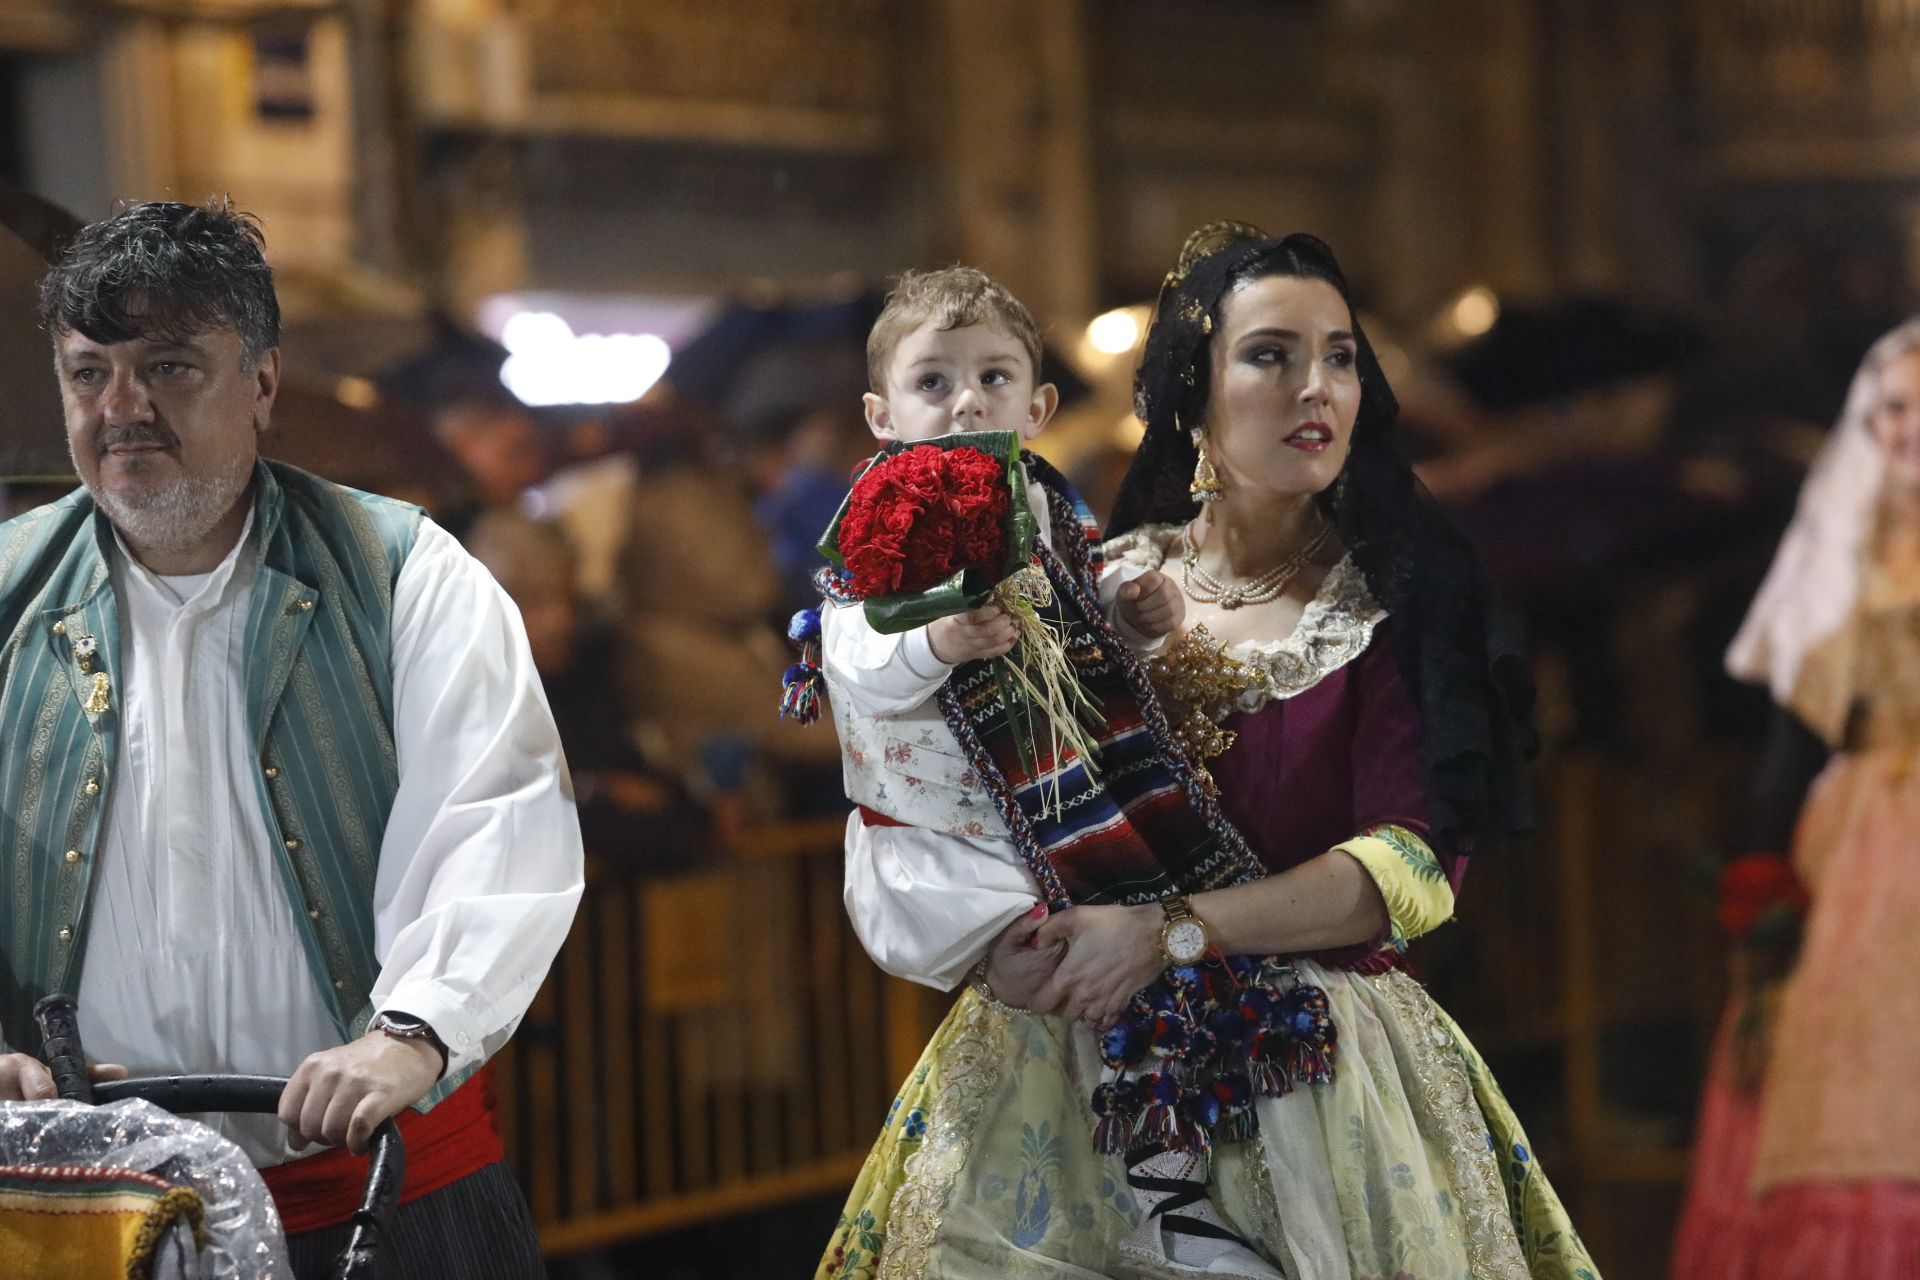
<point x="1408" y="1166"/>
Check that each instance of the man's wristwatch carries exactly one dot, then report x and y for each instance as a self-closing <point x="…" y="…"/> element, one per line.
<point x="1183" y="938"/>
<point x="404" y="1026"/>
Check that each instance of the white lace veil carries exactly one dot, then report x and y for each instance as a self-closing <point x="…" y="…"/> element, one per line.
<point x="1807" y="601"/>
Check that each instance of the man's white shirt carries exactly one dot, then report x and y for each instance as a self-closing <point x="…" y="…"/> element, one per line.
<point x="194" y="956"/>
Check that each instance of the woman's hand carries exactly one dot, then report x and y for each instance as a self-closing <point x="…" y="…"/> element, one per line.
<point x="1016" y="966"/>
<point x="1111" y="953"/>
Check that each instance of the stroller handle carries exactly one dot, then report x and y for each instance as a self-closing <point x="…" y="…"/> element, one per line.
<point x="386" y="1171"/>
<point x="261" y="1095"/>
<point x="60" y="1033"/>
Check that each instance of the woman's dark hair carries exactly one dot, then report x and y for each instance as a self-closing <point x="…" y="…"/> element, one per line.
<point x="165" y="270"/>
<point x="1464" y="664"/>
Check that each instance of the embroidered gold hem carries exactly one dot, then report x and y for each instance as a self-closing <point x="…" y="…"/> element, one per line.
<point x="969" y="1073"/>
<point x="1446" y="1096"/>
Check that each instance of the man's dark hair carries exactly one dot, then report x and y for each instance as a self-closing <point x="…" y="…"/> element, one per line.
<point x="166" y="270"/>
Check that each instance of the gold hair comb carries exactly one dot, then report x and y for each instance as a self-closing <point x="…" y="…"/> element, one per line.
<point x="1209" y="240"/>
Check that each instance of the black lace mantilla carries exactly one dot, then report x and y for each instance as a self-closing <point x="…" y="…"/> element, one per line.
<point x="1459" y="652"/>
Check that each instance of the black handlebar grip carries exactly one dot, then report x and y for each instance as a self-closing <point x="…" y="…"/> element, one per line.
<point x="60" y="1030"/>
<point x="361" y="1259"/>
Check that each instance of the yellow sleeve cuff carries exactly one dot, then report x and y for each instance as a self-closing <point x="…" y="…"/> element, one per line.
<point x="1410" y="878"/>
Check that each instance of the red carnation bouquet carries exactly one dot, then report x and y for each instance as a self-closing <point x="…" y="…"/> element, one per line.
<point x="1761" y="899"/>
<point x="941" y="526"/>
<point x="925" y="518"/>
<point x="1762" y="906"/>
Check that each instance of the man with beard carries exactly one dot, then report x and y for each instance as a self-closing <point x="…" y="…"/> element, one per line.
<point x="282" y="793"/>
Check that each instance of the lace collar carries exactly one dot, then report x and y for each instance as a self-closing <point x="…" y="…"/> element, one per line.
<point x="1334" y="629"/>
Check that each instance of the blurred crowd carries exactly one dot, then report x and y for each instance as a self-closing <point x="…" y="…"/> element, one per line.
<point x="655" y="555"/>
<point x="1619" y="468"/>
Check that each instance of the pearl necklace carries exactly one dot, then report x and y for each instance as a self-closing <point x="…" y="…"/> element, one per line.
<point x="1203" y="588"/>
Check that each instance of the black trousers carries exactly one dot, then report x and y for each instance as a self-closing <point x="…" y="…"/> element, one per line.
<point x="478" y="1228"/>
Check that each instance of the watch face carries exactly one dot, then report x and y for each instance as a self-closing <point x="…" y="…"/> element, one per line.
<point x="1186" y="941"/>
<point x="401" y="1024"/>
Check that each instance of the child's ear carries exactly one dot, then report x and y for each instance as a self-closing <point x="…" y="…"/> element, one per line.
<point x="1046" y="398"/>
<point x="879" y="416"/>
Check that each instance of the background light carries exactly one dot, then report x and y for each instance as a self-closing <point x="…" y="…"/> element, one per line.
<point x="1475" y="311"/>
<point x="1114" y="332"/>
<point x="356" y="393"/>
<point x="548" y="363"/>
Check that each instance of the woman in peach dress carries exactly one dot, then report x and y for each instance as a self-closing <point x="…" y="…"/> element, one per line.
<point x="1808" y="1160"/>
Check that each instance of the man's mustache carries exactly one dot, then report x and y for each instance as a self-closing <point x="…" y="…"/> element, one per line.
<point x="138" y="438"/>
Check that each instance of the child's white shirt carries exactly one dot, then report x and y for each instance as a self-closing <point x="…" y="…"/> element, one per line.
<point x="928" y="896"/>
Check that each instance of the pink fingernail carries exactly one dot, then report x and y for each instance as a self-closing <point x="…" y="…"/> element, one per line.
<point x="1037" y="912"/>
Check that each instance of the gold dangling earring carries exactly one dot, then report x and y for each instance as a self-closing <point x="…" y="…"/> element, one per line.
<point x="1206" y="487"/>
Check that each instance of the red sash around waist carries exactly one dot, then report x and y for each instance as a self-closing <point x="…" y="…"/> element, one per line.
<point x="446" y="1144"/>
<point x="874" y="818"/>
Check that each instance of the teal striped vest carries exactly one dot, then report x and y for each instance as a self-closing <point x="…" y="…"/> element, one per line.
<point x="319" y="709"/>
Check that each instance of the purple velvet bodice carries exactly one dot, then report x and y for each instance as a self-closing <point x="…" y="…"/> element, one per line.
<point x="1311" y="771"/>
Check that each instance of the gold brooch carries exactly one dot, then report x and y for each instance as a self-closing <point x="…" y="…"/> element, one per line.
<point x="1199" y="678"/>
<point x="85" y="650"/>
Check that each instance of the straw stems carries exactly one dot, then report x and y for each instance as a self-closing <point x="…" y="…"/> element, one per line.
<point x="1038" y="683"/>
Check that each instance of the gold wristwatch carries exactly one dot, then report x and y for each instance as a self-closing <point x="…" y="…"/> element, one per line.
<point x="1183" y="938"/>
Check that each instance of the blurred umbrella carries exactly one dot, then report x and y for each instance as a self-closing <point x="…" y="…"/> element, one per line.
<point x="348" y="433"/>
<point x="454" y="365"/>
<point x="347" y="321"/>
<point x="763" y="367"/>
<point x="350" y="343"/>
<point x="777" y="385"/>
<point x="710" y="367"/>
<point x="1536" y="354"/>
<point x="33" y="441"/>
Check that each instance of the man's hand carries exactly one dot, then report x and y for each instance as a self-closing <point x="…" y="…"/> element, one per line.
<point x="24" y="1078"/>
<point x="1016" y="967"/>
<point x="1153" y="605"/>
<point x="1112" y="952"/>
<point x="341" y="1095"/>
<point x="986" y="632"/>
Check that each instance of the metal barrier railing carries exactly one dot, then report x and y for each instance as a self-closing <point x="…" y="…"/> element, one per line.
<point x="705" y="1045"/>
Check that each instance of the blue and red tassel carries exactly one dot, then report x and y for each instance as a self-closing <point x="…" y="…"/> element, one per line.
<point x="804" y="684"/>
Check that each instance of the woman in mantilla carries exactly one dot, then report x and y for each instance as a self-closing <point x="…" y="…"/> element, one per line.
<point x="1219" y="1066"/>
<point x="1807" y="1163"/>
